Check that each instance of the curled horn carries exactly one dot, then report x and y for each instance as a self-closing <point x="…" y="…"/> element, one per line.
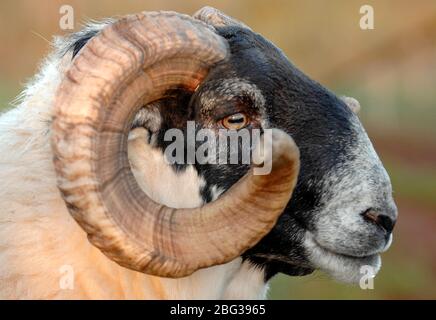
<point x="128" y="65"/>
<point x="217" y="18"/>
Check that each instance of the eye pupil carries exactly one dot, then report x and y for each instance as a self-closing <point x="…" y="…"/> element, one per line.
<point x="235" y="121"/>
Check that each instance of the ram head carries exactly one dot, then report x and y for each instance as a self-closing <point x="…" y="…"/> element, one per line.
<point x="324" y="203"/>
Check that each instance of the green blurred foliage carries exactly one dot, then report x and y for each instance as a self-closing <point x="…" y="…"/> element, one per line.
<point x="416" y="184"/>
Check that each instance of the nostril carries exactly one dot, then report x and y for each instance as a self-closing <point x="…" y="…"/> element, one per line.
<point x="381" y="220"/>
<point x="386" y="223"/>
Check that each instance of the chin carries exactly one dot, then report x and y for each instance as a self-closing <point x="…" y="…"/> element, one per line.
<point x="341" y="267"/>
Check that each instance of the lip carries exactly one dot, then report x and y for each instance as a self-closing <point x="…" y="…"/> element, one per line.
<point x="343" y="267"/>
<point x="343" y="255"/>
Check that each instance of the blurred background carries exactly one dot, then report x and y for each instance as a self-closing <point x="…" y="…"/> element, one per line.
<point x="391" y="70"/>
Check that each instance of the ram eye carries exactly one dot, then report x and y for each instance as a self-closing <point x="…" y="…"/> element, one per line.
<point x="235" y="121"/>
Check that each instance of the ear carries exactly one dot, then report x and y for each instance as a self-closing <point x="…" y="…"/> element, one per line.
<point x="217" y="18"/>
<point x="352" y="103"/>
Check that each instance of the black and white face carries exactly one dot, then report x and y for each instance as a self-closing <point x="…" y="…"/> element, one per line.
<point x="327" y="225"/>
<point x="341" y="214"/>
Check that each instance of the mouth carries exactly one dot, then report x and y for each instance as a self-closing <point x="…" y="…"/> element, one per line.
<point x="346" y="268"/>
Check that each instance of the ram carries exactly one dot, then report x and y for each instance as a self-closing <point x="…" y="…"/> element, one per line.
<point x="91" y="207"/>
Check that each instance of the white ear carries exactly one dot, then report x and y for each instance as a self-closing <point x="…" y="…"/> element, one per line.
<point x="352" y="103"/>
